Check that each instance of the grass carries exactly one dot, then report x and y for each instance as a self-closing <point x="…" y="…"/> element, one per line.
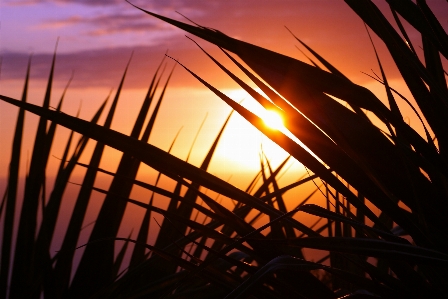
<point x="397" y="253"/>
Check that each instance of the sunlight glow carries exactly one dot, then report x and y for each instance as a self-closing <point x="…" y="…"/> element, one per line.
<point x="272" y="119"/>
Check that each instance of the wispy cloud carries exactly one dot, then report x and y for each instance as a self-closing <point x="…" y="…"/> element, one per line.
<point x="59" y="23"/>
<point x="21" y="2"/>
<point x="151" y="4"/>
<point x="101" y="18"/>
<point x="104" y="67"/>
<point x="107" y="23"/>
<point x="100" y="67"/>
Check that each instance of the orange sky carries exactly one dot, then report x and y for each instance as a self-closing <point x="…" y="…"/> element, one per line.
<point x="96" y="41"/>
<point x="97" y="38"/>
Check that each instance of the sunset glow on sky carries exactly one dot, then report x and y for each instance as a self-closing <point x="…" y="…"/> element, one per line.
<point x="97" y="38"/>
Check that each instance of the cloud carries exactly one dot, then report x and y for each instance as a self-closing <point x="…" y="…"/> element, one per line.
<point x="59" y="23"/>
<point x="108" y="23"/>
<point x="104" y="67"/>
<point x="92" y="68"/>
<point x="101" y="18"/>
<point x="152" y="4"/>
<point x="21" y="2"/>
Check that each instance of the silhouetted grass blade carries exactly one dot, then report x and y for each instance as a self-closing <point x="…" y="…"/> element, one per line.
<point x="136" y="130"/>
<point x="21" y="280"/>
<point x="138" y="254"/>
<point x="305" y="287"/>
<point x="420" y="16"/>
<point x="95" y="269"/>
<point x="53" y="206"/>
<point x="112" y="211"/>
<point x="120" y="256"/>
<point x="280" y="202"/>
<point x="64" y="263"/>
<point x="11" y="192"/>
<point x="369" y="247"/>
<point x="42" y="244"/>
<point x="184" y="209"/>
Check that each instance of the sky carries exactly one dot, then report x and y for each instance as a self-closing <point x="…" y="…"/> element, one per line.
<point x="96" y="39"/>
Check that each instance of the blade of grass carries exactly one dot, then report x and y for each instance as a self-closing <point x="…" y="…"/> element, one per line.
<point x="110" y="217"/>
<point x="86" y="268"/>
<point x="42" y="244"/>
<point x="11" y="192"/>
<point x="369" y="247"/>
<point x="138" y="255"/>
<point x="421" y="18"/>
<point x="63" y="267"/>
<point x="21" y="279"/>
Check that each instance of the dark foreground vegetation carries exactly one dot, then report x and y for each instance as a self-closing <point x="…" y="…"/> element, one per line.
<point x="400" y="252"/>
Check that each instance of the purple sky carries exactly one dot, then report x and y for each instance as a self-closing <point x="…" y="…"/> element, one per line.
<point x="101" y="32"/>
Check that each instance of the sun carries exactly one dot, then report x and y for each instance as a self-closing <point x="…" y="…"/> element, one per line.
<point x="272" y="119"/>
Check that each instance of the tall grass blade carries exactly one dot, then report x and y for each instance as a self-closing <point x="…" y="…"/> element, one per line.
<point x="41" y="259"/>
<point x="11" y="192"/>
<point x="136" y="130"/>
<point x="54" y="203"/>
<point x="403" y="31"/>
<point x="276" y="228"/>
<point x="91" y="273"/>
<point x="138" y="255"/>
<point x="421" y="18"/>
<point x="434" y="66"/>
<point x="289" y="232"/>
<point x="185" y="210"/>
<point x="308" y="287"/>
<point x="112" y="211"/>
<point x="369" y="247"/>
<point x="21" y="280"/>
<point x="63" y="267"/>
<point x="328" y="65"/>
<point x="364" y="230"/>
<point x="120" y="257"/>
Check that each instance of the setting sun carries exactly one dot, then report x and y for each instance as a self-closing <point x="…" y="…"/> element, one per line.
<point x="272" y="119"/>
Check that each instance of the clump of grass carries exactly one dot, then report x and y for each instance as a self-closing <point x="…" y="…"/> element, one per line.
<point x="182" y="240"/>
<point x="362" y="163"/>
<point x="398" y="253"/>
